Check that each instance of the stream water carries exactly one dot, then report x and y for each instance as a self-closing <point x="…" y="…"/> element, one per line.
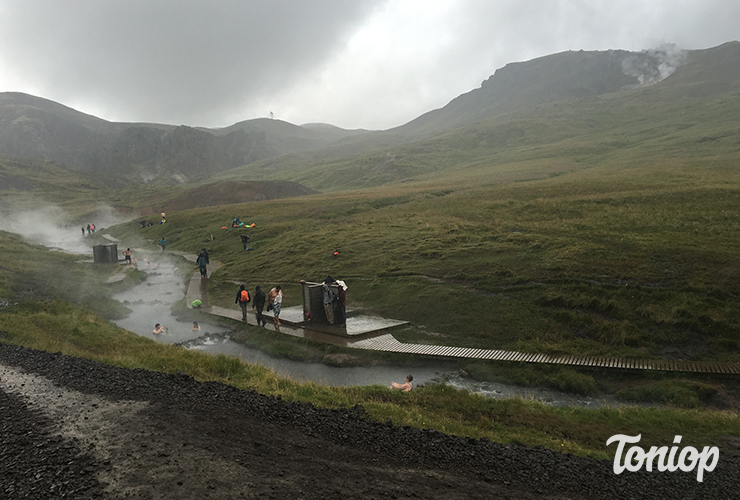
<point x="151" y="303"/>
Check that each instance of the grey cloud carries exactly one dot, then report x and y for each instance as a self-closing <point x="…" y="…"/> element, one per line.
<point x="171" y="61"/>
<point x="213" y="63"/>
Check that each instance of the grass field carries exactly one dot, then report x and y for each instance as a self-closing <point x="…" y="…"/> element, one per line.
<point x="602" y="227"/>
<point x="628" y="261"/>
<point x="631" y="263"/>
<point x="60" y="327"/>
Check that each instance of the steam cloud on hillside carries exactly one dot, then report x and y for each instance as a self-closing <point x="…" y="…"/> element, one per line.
<point x="49" y="227"/>
<point x="654" y="65"/>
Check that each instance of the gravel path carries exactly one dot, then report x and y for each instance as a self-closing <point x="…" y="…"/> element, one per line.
<point x="72" y="428"/>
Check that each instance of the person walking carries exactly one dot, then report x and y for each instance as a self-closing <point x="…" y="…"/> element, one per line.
<point x="242" y="298"/>
<point x="245" y="240"/>
<point x="328" y="303"/>
<point x="202" y="263"/>
<point x="276" y="301"/>
<point x="163" y="243"/>
<point x="259" y="304"/>
<point x="341" y="316"/>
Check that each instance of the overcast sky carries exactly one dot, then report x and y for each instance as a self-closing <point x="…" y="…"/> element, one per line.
<point x="371" y="64"/>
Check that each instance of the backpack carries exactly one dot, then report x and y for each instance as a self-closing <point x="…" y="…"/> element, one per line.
<point x="244" y="296"/>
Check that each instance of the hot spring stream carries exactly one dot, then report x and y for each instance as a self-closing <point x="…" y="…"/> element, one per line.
<point x="151" y="303"/>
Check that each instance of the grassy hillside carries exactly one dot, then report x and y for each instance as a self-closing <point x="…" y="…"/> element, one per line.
<point x="35" y="186"/>
<point x="635" y="260"/>
<point x="37" y="286"/>
<point x="693" y="114"/>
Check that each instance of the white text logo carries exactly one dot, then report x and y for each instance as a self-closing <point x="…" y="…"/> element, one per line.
<point x="688" y="458"/>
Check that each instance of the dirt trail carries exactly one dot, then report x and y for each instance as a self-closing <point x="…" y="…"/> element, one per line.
<point x="72" y="428"/>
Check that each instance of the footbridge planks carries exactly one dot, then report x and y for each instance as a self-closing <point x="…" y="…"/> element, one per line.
<point x="388" y="343"/>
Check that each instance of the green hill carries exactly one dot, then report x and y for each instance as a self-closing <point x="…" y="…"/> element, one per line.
<point x="691" y="114"/>
<point x="39" y="129"/>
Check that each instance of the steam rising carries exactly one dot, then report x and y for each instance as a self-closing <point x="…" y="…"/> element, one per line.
<point x="50" y="227"/>
<point x="654" y="65"/>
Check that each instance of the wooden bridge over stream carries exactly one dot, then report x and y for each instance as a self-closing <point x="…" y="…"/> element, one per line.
<point x="383" y="341"/>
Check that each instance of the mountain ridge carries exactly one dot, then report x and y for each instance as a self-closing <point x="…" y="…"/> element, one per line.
<point x="265" y="148"/>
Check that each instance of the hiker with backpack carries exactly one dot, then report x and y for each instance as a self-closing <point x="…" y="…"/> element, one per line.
<point x="242" y="298"/>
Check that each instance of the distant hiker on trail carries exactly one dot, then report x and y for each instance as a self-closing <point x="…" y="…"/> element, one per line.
<point x="158" y="329"/>
<point x="88" y="229"/>
<point x="163" y="243"/>
<point x="259" y="303"/>
<point x="127" y="256"/>
<point x="245" y="240"/>
<point x="329" y="301"/>
<point x="404" y="387"/>
<point x="341" y="299"/>
<point x="276" y="301"/>
<point x="83" y="231"/>
<point x="242" y="298"/>
<point x="92" y="228"/>
<point x="202" y="263"/>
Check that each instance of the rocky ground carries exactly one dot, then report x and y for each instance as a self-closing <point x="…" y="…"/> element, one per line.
<point x="72" y="428"/>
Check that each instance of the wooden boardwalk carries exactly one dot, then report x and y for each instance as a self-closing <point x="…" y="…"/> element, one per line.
<point x="387" y="342"/>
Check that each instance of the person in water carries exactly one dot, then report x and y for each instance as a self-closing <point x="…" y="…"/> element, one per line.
<point x="404" y="387"/>
<point x="159" y="329"/>
<point x="196" y="326"/>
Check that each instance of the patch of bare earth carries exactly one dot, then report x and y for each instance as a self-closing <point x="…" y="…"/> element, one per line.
<point x="73" y="428"/>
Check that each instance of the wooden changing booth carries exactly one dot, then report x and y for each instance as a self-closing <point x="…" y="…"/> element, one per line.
<point x="313" y="301"/>
<point x="105" y="254"/>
